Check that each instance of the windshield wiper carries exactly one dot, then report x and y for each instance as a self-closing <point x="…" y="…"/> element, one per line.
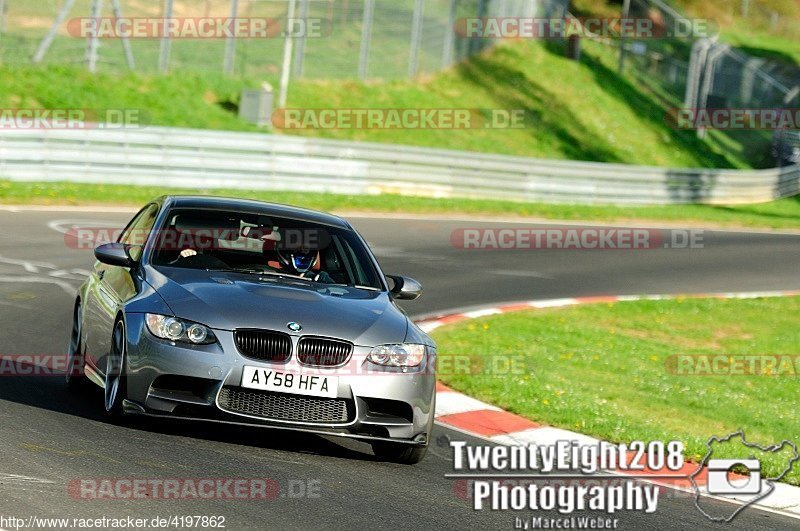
<point x="287" y="276"/>
<point x="283" y="275"/>
<point x="246" y="271"/>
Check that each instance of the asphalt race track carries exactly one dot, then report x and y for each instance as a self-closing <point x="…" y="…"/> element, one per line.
<point x="49" y="437"/>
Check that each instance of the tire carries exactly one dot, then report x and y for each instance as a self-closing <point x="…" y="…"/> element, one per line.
<point x="74" y="374"/>
<point x="404" y="454"/>
<point x="115" y="389"/>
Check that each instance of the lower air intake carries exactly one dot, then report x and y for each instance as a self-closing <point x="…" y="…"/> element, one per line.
<point x="280" y="406"/>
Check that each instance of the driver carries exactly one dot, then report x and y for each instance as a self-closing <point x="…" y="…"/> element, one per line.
<point x="297" y="261"/>
<point x="303" y="263"/>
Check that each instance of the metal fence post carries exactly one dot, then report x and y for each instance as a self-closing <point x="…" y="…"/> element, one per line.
<point x="502" y="9"/>
<point x="126" y="43"/>
<point x="366" y="38"/>
<point x="230" y="43"/>
<point x="717" y="51"/>
<point x="692" y="75"/>
<point x="792" y="94"/>
<point x="94" y="41"/>
<point x="166" y="44"/>
<point x="626" y="9"/>
<point x="300" y="49"/>
<point x="774" y="18"/>
<point x="476" y="43"/>
<point x="449" y="35"/>
<point x="748" y="80"/>
<point x="51" y="34"/>
<point x="416" y="38"/>
<point x="287" y="58"/>
<point x="697" y="62"/>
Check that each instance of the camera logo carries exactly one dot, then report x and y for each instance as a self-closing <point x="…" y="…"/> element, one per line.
<point x="740" y="478"/>
<point x="720" y="481"/>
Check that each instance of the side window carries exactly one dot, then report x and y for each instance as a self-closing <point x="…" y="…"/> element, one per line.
<point x="354" y="262"/>
<point x="137" y="232"/>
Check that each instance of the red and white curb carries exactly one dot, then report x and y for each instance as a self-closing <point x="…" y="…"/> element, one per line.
<point x="431" y="322"/>
<point x="479" y="419"/>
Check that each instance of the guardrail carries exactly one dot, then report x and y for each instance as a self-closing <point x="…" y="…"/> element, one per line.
<point x="202" y="159"/>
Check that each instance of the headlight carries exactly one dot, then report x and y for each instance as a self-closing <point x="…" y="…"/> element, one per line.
<point x="405" y="355"/>
<point x="175" y="329"/>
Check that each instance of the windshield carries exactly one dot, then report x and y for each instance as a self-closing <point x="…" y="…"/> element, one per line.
<point x="255" y="244"/>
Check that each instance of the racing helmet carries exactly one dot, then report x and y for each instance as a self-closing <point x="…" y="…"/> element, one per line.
<point x="299" y="260"/>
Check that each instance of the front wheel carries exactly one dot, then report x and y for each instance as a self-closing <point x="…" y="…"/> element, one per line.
<point x="404" y="454"/>
<point x="115" y="372"/>
<point x="74" y="371"/>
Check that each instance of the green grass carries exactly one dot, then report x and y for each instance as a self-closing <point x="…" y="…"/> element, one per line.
<point x="602" y="369"/>
<point x="763" y="43"/>
<point x="574" y="110"/>
<point x="778" y="214"/>
<point x="754" y="33"/>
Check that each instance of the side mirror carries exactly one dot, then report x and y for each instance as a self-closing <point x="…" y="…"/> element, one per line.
<point x="405" y="289"/>
<point x="115" y="254"/>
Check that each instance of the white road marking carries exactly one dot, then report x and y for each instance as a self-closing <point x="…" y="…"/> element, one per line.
<point x="68" y="208"/>
<point x="399" y="252"/>
<point x="71" y="274"/>
<point x="519" y="273"/>
<point x="428" y="327"/>
<point x="29" y="265"/>
<point x="65" y="225"/>
<point x="482" y="313"/>
<point x="68" y="288"/>
<point x="16" y="478"/>
<point x="553" y="303"/>
<point x="449" y="403"/>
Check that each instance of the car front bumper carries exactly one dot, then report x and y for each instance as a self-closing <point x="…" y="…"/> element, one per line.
<point x="194" y="382"/>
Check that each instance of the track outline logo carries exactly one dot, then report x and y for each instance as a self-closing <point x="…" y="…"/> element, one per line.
<point x="769" y="480"/>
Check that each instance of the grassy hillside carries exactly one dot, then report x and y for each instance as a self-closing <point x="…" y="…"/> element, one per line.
<point x="581" y="111"/>
<point x="769" y="28"/>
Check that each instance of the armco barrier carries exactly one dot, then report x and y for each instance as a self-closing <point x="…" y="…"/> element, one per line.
<point x="202" y="159"/>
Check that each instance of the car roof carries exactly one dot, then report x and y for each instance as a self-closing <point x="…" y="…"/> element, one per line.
<point x="253" y="207"/>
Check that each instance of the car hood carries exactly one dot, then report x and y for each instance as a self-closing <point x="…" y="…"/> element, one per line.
<point x="226" y="301"/>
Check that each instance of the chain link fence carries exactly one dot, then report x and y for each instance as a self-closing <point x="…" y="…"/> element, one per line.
<point x="690" y="69"/>
<point x="385" y="39"/>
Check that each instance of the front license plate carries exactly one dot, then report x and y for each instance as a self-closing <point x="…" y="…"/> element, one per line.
<point x="290" y="382"/>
